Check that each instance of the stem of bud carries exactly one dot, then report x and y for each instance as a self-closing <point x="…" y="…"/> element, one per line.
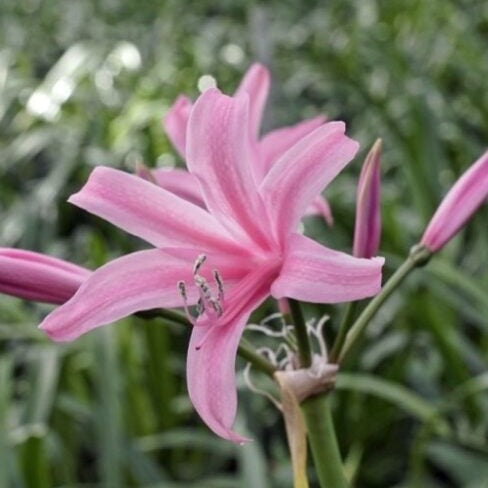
<point x="419" y="256"/>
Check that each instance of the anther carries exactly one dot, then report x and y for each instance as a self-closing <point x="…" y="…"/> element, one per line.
<point x="216" y="306"/>
<point x="220" y="284"/>
<point x="200" y="307"/>
<point x="182" y="289"/>
<point x="198" y="263"/>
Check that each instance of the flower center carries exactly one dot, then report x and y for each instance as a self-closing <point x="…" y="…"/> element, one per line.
<point x="209" y="302"/>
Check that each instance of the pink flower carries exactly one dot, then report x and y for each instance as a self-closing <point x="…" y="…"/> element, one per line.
<point x="246" y="233"/>
<point x="267" y="150"/>
<point x="461" y="202"/>
<point x="38" y="277"/>
<point x="367" y="231"/>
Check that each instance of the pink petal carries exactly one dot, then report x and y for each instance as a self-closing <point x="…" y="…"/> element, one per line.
<point x="313" y="273"/>
<point x="461" y="202"/>
<point x="256" y="84"/>
<point x="38" y="277"/>
<point x="275" y="143"/>
<point x="139" y="281"/>
<point x="320" y="206"/>
<point x="219" y="154"/>
<point x="175" y="122"/>
<point x="181" y="183"/>
<point x="212" y="355"/>
<point x="298" y="177"/>
<point x="146" y="210"/>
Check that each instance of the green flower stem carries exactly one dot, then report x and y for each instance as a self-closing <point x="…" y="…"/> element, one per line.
<point x="317" y="414"/>
<point x="245" y="349"/>
<point x="323" y="442"/>
<point x="419" y="256"/>
<point x="303" y="340"/>
<point x="346" y="322"/>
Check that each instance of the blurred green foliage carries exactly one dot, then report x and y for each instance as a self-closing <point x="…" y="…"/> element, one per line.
<point x="86" y="83"/>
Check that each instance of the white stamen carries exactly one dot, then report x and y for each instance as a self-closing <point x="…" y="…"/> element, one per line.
<point x="250" y="384"/>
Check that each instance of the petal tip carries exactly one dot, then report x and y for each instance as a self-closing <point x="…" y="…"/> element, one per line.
<point x="51" y="333"/>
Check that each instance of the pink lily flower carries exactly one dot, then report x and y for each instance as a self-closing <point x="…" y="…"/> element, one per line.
<point x="267" y="150"/>
<point x="246" y="233"/>
<point x="468" y="193"/>
<point x="367" y="230"/>
<point x="38" y="277"/>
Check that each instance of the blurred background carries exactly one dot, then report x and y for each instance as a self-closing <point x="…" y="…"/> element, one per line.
<point x="86" y="83"/>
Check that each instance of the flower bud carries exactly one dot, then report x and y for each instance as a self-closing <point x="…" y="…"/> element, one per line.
<point x="38" y="277"/>
<point x="461" y="202"/>
<point x="367" y="229"/>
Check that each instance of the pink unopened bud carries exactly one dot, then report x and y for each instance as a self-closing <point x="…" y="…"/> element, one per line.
<point x="461" y="202"/>
<point x="367" y="230"/>
<point x="38" y="277"/>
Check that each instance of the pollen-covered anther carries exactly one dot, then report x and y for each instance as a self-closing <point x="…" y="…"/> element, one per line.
<point x="182" y="289"/>
<point x="216" y="306"/>
<point x="198" y="263"/>
<point x="219" y="282"/>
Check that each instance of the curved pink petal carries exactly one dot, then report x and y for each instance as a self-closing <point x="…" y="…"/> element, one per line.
<point x="150" y="212"/>
<point x="181" y="183"/>
<point x="298" y="177"/>
<point x="175" y="122"/>
<point x="219" y="154"/>
<point x="320" y="206"/>
<point x="212" y="355"/>
<point x="275" y="143"/>
<point x="468" y="193"/>
<point x="256" y="83"/>
<point x="139" y="281"/>
<point x="38" y="277"/>
<point x="313" y="273"/>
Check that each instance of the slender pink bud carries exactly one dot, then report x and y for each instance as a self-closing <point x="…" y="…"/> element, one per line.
<point x="38" y="277"/>
<point x="367" y="230"/>
<point x="461" y="202"/>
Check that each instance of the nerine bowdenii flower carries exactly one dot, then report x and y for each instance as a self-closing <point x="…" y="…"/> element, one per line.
<point x="226" y="257"/>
